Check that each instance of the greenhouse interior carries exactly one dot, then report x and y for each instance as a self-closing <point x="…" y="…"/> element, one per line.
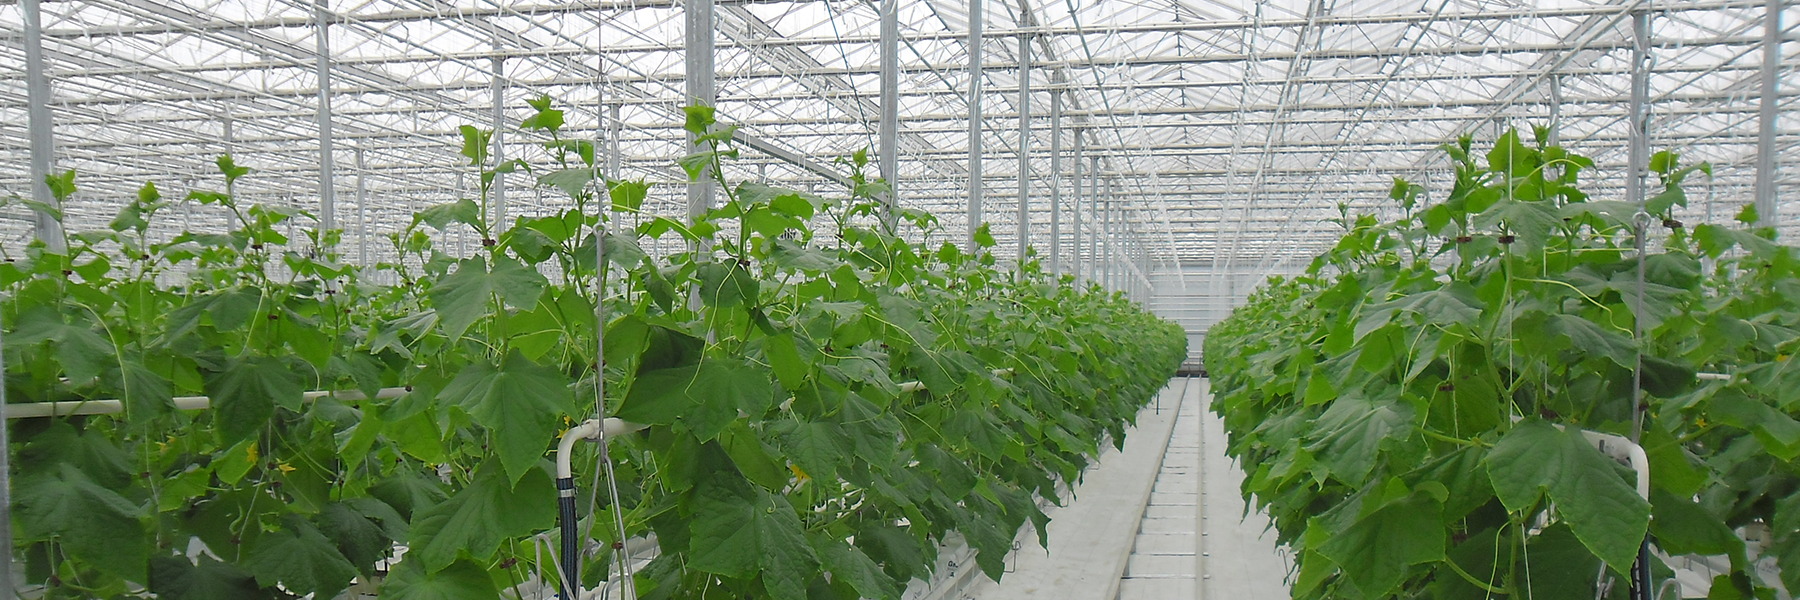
<point x="884" y="300"/>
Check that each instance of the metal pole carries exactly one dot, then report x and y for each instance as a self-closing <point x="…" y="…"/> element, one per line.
<point x="1555" y="110"/>
<point x="699" y="55"/>
<point x="1639" y="165"/>
<point x="1075" y="211"/>
<point x="43" y="137"/>
<point x="327" y="182"/>
<point x="1056" y="179"/>
<point x="6" y="539"/>
<point x="1637" y="119"/>
<point x="362" y="211"/>
<point x="1024" y="146"/>
<point x="614" y="129"/>
<point x="975" y="55"/>
<point x="1094" y="217"/>
<point x="498" y="94"/>
<point x="1109" y="271"/>
<point x="1767" y="210"/>
<point x="890" y="108"/>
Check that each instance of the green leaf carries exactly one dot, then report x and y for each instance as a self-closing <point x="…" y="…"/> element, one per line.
<point x="176" y="578"/>
<point x="751" y="457"/>
<point x="1748" y="215"/>
<point x="439" y="217"/>
<point x="1376" y="551"/>
<point x="91" y="522"/>
<point x="628" y="195"/>
<point x="301" y="559"/>
<point x="409" y="493"/>
<point x="481" y="516"/>
<point x="81" y="351"/>
<point x="1606" y="514"/>
<point x="1684" y="527"/>
<point x="359" y="539"/>
<point x="464" y="297"/>
<point x="1778" y="432"/>
<point x="847" y="563"/>
<point x="462" y="580"/>
<point x="707" y="396"/>
<point x="1354" y="430"/>
<point x="622" y="250"/>
<point x="818" y="448"/>
<point x="546" y="118"/>
<point x="573" y="182"/>
<point x="475" y="143"/>
<point x="1597" y="342"/>
<point x="725" y="284"/>
<point x="519" y="402"/>
<point x="244" y="397"/>
<point x="984" y="238"/>
<point x="741" y="533"/>
<point x="785" y="359"/>
<point x="699" y="119"/>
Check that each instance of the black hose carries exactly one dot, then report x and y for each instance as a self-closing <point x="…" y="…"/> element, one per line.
<point x="1640" y="573"/>
<point x="571" y="549"/>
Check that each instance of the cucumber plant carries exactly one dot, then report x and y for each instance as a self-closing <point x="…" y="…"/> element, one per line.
<point x="782" y="458"/>
<point x="1409" y="408"/>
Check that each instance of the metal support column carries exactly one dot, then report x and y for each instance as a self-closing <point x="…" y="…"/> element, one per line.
<point x="1637" y="118"/>
<point x="1767" y="210"/>
<point x="1024" y="146"/>
<point x="975" y="56"/>
<point x="1056" y="179"/>
<point x="362" y="211"/>
<point x="1106" y="235"/>
<point x="327" y="174"/>
<point x="1094" y="218"/>
<point x="614" y="128"/>
<point x="699" y="55"/>
<point x="1555" y="83"/>
<point x="889" y="151"/>
<point x="498" y="97"/>
<point x="1075" y="211"/>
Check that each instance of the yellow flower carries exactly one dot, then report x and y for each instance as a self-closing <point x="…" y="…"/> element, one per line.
<point x="799" y="474"/>
<point x="284" y="468"/>
<point x="250" y="454"/>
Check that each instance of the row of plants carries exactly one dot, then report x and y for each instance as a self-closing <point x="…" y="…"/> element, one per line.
<point x="782" y="458"/>
<point x="1409" y="408"/>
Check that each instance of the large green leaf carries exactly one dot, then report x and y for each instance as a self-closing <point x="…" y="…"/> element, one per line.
<point x="462" y="580"/>
<point x="464" y="296"/>
<point x="847" y="563"/>
<point x="91" y="522"/>
<point x="740" y="533"/>
<point x="706" y="396"/>
<point x="481" y="516"/>
<point x="1536" y="459"/>
<point x="519" y="402"/>
<point x="81" y="351"/>
<point x="818" y="448"/>
<point x="244" y="397"/>
<point x="301" y="559"/>
<point x="177" y="578"/>
<point x="1376" y="551"/>
<point x="148" y="394"/>
<point x="359" y="539"/>
<point x="1354" y="430"/>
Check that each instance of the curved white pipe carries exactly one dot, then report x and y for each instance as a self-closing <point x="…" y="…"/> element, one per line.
<point x="587" y="430"/>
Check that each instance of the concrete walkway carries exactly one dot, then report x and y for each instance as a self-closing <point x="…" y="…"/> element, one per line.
<point x="1131" y="532"/>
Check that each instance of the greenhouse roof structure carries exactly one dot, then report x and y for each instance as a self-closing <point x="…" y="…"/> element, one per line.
<point x="1221" y="134"/>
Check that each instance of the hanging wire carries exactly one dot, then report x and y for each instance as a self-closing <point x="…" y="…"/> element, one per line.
<point x="627" y="585"/>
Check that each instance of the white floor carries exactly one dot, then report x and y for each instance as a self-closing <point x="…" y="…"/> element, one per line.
<point x="1143" y="524"/>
